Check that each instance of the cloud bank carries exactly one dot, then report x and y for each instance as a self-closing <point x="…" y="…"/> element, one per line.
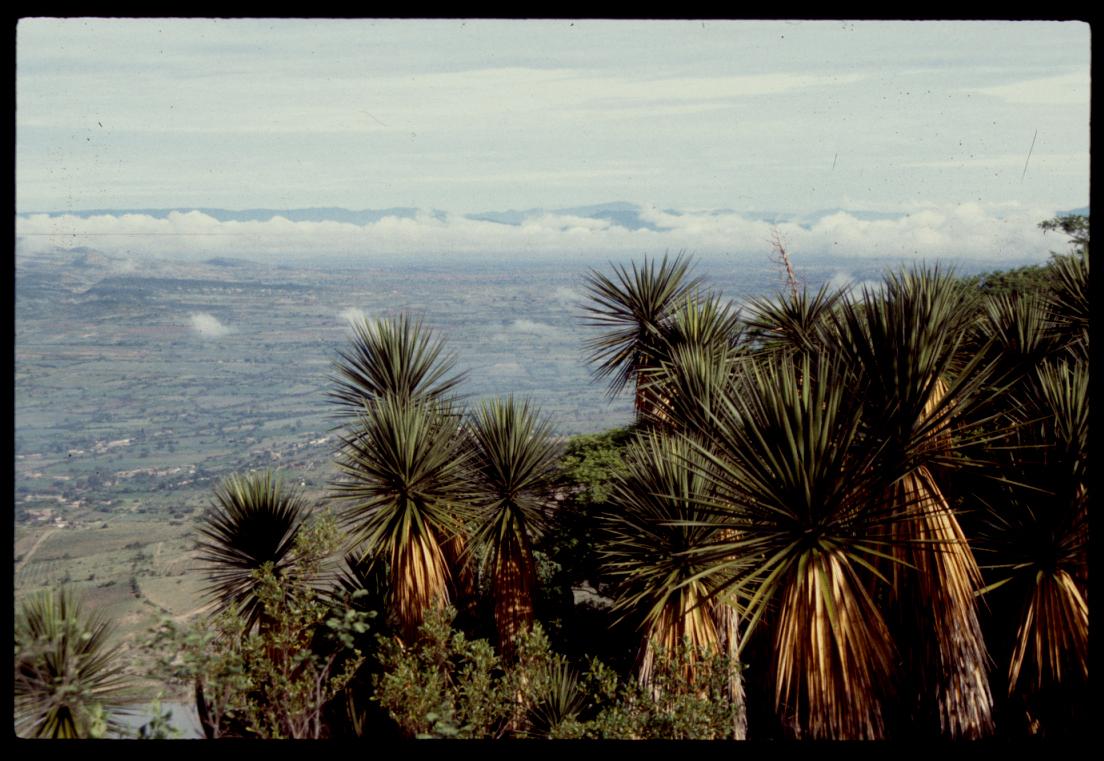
<point x="1001" y="232"/>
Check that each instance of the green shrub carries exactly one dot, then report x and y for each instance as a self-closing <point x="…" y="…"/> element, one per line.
<point x="275" y="680"/>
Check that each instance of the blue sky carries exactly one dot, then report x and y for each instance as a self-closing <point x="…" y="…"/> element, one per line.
<point x="478" y="115"/>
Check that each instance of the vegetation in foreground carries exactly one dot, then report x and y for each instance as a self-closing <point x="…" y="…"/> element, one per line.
<point x="837" y="516"/>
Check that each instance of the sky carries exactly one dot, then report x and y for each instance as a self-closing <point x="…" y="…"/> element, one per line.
<point x="953" y="120"/>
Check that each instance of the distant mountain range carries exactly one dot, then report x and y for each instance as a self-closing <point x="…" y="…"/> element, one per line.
<point x="620" y="213"/>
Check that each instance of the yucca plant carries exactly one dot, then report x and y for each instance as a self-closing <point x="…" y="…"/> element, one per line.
<point x="513" y="460"/>
<point x="696" y="349"/>
<point x="1034" y="536"/>
<point x="903" y="343"/>
<point x="398" y="357"/>
<point x="556" y="701"/>
<point x="67" y="671"/>
<point x="1069" y="300"/>
<point x="686" y="387"/>
<point x="705" y="320"/>
<point x="403" y="483"/>
<point x="658" y="517"/>
<point x="792" y="321"/>
<point x="633" y="309"/>
<point x="253" y="520"/>
<point x="797" y="502"/>
<point x="362" y="580"/>
<point x="1016" y="333"/>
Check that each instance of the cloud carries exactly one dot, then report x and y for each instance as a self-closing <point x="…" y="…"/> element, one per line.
<point x="568" y="296"/>
<point x="522" y="327"/>
<point x="534" y="328"/>
<point x="352" y="315"/>
<point x="929" y="231"/>
<point x="840" y="280"/>
<point x="245" y="113"/>
<point x="207" y="325"/>
<point x="511" y="369"/>
<point x="852" y="289"/>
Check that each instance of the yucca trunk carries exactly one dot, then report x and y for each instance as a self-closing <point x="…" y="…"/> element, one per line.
<point x="935" y="584"/>
<point x="727" y="621"/>
<point x="936" y="602"/>
<point x="832" y="652"/>
<point x="513" y="581"/>
<point x="420" y="580"/>
<point x="463" y="589"/>
<point x="685" y="621"/>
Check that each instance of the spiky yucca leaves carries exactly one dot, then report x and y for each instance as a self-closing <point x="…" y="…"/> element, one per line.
<point x="65" y="667"/>
<point x="686" y="387"/>
<point x="362" y="579"/>
<point x="1019" y="327"/>
<point x="904" y="346"/>
<point x="797" y="502"/>
<point x="1064" y="394"/>
<point x="559" y="699"/>
<point x="1036" y="537"/>
<point x="1069" y="300"/>
<point x="514" y="457"/>
<point x="1016" y="333"/>
<point x="701" y="320"/>
<point x="659" y="517"/>
<point x="253" y="520"/>
<point x="903" y="343"/>
<point x="697" y="348"/>
<point x="792" y="321"/>
<point x="397" y="357"/>
<point x="404" y="487"/>
<point x="633" y="311"/>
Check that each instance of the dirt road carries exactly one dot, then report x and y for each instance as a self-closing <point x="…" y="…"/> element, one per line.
<point x="26" y="557"/>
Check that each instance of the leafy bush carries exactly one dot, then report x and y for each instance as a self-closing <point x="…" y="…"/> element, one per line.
<point x="591" y="462"/>
<point x="681" y="703"/>
<point x="447" y="686"/>
<point x="275" y="680"/>
<point x="444" y="685"/>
